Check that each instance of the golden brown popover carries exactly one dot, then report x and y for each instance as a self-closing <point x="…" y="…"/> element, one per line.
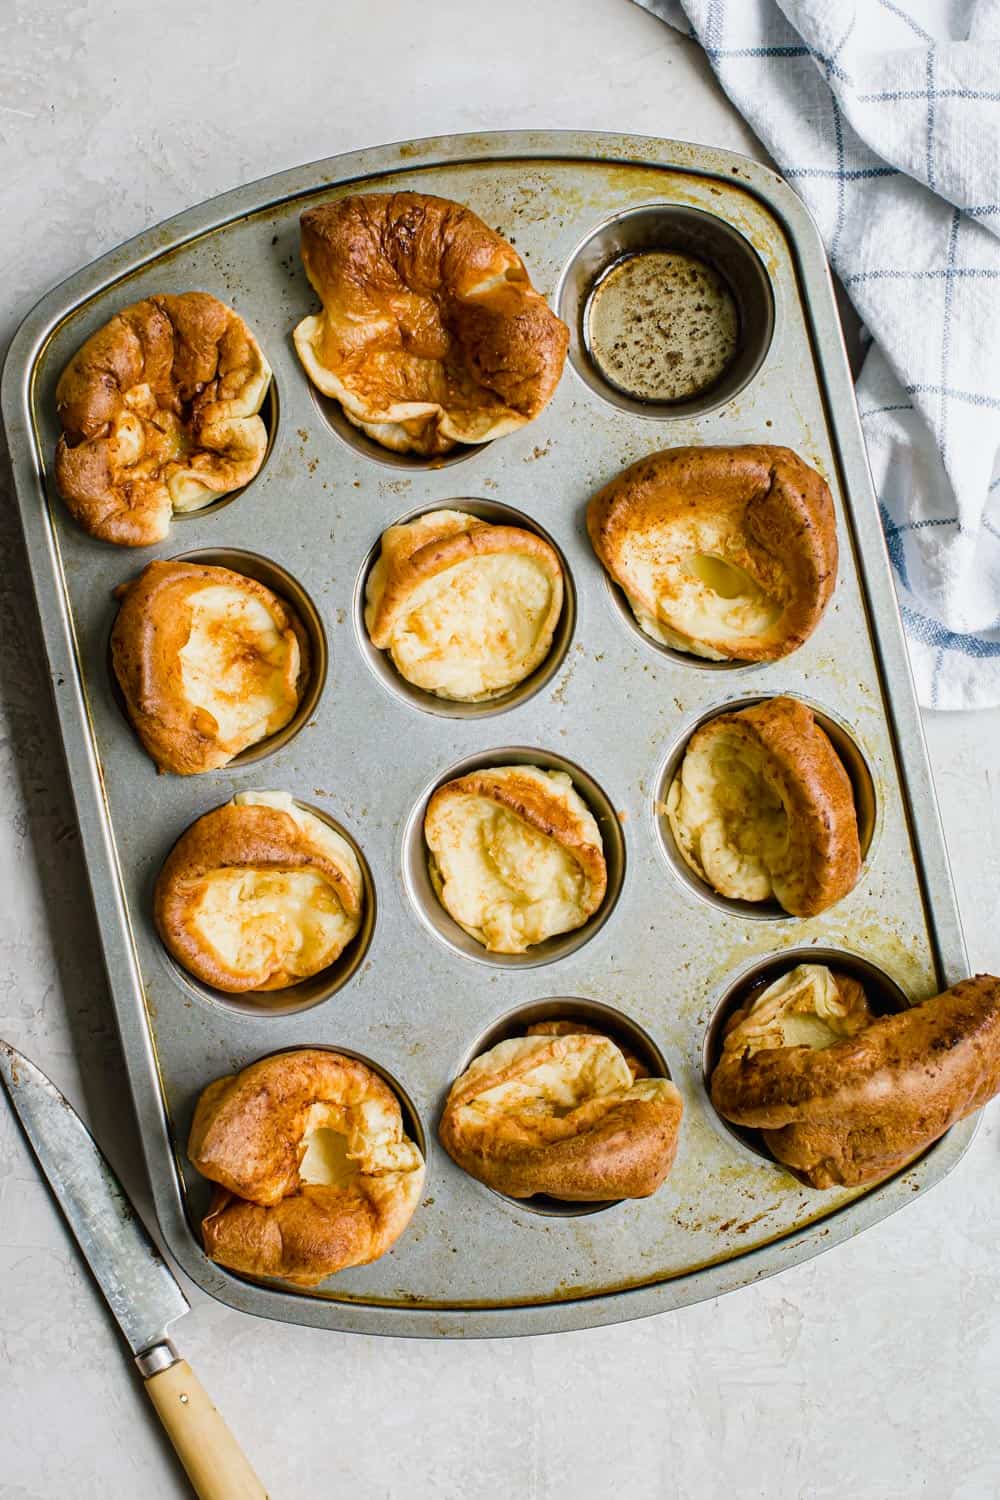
<point x="159" y="414"/>
<point x="845" y="1097"/>
<point x="466" y="610"/>
<point x="209" y="662"/>
<point x="726" y="553"/>
<point x="516" y="855"/>
<point x="315" y="1171"/>
<point x="431" y="333"/>
<point x="258" y="894"/>
<point x="762" y="808"/>
<point x="562" y="1113"/>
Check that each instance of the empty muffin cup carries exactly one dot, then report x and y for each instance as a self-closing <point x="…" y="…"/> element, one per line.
<point x="381" y="661"/>
<point x="419" y="883"/>
<point x="317" y="987"/>
<point x="848" y="752"/>
<point x="884" y="996"/>
<point x="670" y="310"/>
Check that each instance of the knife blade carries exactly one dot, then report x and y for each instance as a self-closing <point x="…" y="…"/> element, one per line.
<point x="139" y="1287"/>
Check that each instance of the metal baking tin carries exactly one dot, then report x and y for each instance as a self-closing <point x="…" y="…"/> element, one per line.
<point x="473" y="1263"/>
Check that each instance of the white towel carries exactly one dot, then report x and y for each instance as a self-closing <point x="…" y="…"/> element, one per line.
<point x="885" y="116"/>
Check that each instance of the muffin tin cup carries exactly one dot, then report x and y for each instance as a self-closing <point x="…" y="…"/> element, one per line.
<point x="420" y="889"/>
<point x="200" y="1189"/>
<point x="885" y="997"/>
<point x="393" y="680"/>
<point x="688" y="231"/>
<point x="309" y="992"/>
<point x="604" y="1018"/>
<point x="849" y="752"/>
<point x="290" y="592"/>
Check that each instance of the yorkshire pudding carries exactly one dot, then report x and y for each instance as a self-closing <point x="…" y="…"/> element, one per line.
<point x="844" y="1097"/>
<point x="315" y="1170"/>
<point x="465" y="609"/>
<point x="516" y="855"/>
<point x="258" y="894"/>
<point x="562" y="1114"/>
<point x="762" y="807"/>
<point x="159" y="414"/>
<point x="726" y="553"/>
<point x="209" y="661"/>
<point x="431" y="333"/>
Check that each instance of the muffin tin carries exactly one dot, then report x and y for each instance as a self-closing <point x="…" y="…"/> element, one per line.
<point x="662" y="958"/>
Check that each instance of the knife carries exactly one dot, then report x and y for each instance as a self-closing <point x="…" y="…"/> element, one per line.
<point x="138" y="1285"/>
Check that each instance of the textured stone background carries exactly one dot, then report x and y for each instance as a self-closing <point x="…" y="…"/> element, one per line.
<point x="872" y="1371"/>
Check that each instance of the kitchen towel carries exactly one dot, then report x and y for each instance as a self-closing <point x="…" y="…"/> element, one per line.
<point x="885" y="116"/>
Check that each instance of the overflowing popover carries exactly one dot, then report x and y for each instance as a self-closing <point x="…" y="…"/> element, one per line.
<point x="259" y="894"/>
<point x="724" y="553"/>
<point x="431" y="333"/>
<point x="564" y="1112"/>
<point x="314" y="1170"/>
<point x="209" y="662"/>
<point x="762" y="809"/>
<point x="159" y="410"/>
<point x="465" y="609"/>
<point x="843" y="1096"/>
<point x="516" y="855"/>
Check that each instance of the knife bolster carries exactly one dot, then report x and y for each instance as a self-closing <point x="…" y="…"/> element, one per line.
<point x="157" y="1358"/>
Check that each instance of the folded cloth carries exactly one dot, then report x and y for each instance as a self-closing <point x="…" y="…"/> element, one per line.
<point x="885" y="116"/>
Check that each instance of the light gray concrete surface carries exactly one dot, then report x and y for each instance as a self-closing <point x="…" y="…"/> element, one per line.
<point x="873" y="1371"/>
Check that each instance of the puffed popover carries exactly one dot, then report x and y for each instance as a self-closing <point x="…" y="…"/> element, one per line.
<point x="159" y="414"/>
<point x="314" y="1170"/>
<point x="843" y="1096"/>
<point x="209" y="662"/>
<point x="465" y="609"/>
<point x="726" y="553"/>
<point x="562" y="1112"/>
<point x="258" y="894"/>
<point x="516" y="855"/>
<point x="763" y="808"/>
<point x="431" y="333"/>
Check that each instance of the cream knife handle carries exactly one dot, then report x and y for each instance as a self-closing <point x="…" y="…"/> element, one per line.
<point x="213" y="1460"/>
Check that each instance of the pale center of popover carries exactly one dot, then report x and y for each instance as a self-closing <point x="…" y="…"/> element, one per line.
<point x="507" y="883"/>
<point x="729" y="822"/>
<point x="238" y="665"/>
<point x="806" y="1007"/>
<point x="262" y="921"/>
<point x="339" y="1144"/>
<point x="325" y="1161"/>
<point x="701" y="595"/>
<point x="553" y="1085"/>
<point x="469" y="630"/>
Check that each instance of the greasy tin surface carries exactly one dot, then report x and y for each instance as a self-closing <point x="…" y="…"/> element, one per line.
<point x="472" y="1263"/>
